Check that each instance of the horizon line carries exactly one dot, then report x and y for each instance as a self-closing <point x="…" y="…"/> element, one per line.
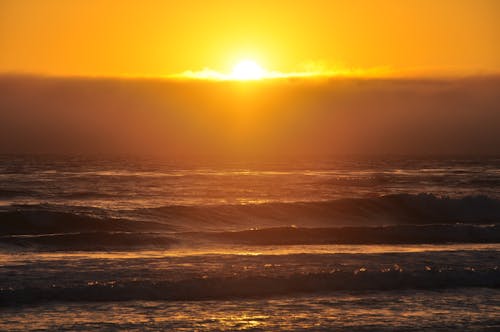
<point x="190" y="76"/>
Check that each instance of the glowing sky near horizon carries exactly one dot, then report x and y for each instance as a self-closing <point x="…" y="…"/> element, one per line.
<point x="163" y="38"/>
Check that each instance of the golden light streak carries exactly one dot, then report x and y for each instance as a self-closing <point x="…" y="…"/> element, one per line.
<point x="249" y="70"/>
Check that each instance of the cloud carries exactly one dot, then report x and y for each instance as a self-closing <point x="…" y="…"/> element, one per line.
<point x="290" y="116"/>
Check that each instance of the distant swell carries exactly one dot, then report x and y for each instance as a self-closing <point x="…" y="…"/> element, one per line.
<point x="255" y="286"/>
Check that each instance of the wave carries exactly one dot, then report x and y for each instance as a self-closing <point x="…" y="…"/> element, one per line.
<point x="204" y="288"/>
<point x="11" y="193"/>
<point x="397" y="234"/>
<point x="89" y="241"/>
<point x="393" y="210"/>
<point x="41" y="220"/>
<point x="383" y="210"/>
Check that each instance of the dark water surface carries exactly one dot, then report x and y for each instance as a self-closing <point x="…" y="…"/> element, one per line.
<point x="346" y="244"/>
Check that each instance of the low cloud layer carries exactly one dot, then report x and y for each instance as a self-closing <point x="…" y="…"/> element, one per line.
<point x="283" y="116"/>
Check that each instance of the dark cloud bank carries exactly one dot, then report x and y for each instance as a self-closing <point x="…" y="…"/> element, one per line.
<point x="288" y="117"/>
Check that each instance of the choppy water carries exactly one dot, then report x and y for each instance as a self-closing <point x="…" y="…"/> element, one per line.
<point x="373" y="244"/>
<point x="130" y="183"/>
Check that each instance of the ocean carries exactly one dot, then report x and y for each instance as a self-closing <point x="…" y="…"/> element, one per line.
<point x="387" y="243"/>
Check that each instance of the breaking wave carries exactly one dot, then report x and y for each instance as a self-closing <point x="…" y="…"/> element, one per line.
<point x="391" y="219"/>
<point x="383" y="210"/>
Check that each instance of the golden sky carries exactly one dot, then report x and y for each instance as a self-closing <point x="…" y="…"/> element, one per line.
<point x="161" y="38"/>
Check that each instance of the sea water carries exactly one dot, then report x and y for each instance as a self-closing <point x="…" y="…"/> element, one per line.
<point x="372" y="244"/>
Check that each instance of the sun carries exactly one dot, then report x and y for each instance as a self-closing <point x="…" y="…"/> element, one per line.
<point x="247" y="70"/>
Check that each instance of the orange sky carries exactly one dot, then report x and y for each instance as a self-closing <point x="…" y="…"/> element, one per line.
<point x="160" y="38"/>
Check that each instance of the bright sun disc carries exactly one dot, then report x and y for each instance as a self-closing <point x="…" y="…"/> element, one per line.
<point x="247" y="70"/>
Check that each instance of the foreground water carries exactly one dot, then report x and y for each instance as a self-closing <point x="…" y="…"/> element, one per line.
<point x="445" y="310"/>
<point x="319" y="287"/>
<point x="380" y="244"/>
